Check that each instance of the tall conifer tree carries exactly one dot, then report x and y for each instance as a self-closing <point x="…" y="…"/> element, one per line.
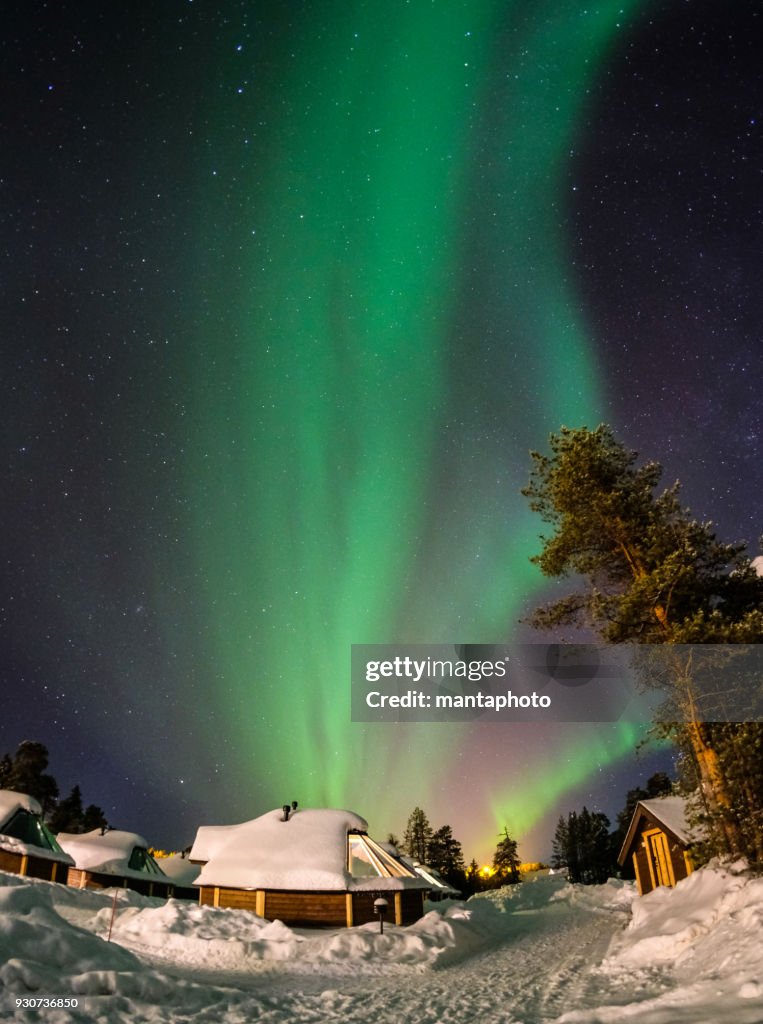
<point x="653" y="575"/>
<point x="417" y="836"/>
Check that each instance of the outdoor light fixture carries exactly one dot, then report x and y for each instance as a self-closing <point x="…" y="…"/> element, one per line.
<point x="380" y="908"/>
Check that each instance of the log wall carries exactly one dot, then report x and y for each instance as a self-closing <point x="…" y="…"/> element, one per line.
<point x="32" y="867"/>
<point x="335" y="909"/>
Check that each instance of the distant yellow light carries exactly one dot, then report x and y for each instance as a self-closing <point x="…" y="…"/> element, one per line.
<point x="487" y="872"/>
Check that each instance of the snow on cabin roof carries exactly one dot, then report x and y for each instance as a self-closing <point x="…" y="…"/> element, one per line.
<point x="29" y="835"/>
<point x="307" y="852"/>
<point x="671" y="812"/>
<point x="179" y="869"/>
<point x="210" y="839"/>
<point x="10" y="802"/>
<point x="108" y="852"/>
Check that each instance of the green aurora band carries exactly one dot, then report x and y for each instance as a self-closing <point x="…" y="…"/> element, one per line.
<point x="403" y="333"/>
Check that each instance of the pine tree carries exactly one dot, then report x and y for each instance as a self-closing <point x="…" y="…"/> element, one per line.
<point x="654" y="575"/>
<point x="650" y="567"/>
<point x="93" y="817"/>
<point x="417" y="835"/>
<point x="506" y="860"/>
<point x="595" y="851"/>
<point x="472" y="868"/>
<point x="582" y="845"/>
<point x="27" y="775"/>
<point x="561" y="844"/>
<point x="472" y="880"/>
<point x="657" y="785"/>
<point x="446" y="856"/>
<point x="68" y="815"/>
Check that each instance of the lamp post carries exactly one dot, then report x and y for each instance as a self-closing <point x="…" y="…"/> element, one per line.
<point x="380" y="908"/>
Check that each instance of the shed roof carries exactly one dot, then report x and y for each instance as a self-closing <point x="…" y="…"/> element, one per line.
<point x="668" y="811"/>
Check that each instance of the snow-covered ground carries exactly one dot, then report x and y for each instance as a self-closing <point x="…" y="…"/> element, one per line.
<point x="541" y="952"/>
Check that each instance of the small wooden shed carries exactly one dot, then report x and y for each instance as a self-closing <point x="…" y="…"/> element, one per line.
<point x="658" y="842"/>
<point x="108" y="857"/>
<point x="313" y="866"/>
<point x="27" y="846"/>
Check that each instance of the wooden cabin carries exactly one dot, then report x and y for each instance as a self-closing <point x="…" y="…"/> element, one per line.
<point x="658" y="842"/>
<point x="27" y="847"/>
<point x="105" y="858"/>
<point x="305" y="867"/>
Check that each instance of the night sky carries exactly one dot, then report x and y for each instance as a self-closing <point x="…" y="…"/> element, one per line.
<point x="288" y="293"/>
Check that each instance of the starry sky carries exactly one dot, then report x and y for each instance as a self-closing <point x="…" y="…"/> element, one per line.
<point x="288" y="293"/>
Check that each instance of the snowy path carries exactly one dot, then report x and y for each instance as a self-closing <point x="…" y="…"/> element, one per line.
<point x="540" y="971"/>
<point x="544" y="952"/>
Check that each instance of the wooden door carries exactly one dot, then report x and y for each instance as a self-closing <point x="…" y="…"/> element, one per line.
<point x="659" y="856"/>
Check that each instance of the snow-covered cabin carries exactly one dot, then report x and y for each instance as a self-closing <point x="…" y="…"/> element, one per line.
<point x="658" y="842"/>
<point x="312" y="866"/>
<point x="107" y="857"/>
<point x="27" y="847"/>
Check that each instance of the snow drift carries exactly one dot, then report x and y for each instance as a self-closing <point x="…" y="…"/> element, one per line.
<point x="536" y="953"/>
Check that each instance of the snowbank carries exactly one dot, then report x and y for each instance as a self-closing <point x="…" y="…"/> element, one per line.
<point x="230" y="939"/>
<point x="40" y="950"/>
<point x="614" y="895"/>
<point x="667" y="923"/>
<point x="705" y="940"/>
<point x="530" y="953"/>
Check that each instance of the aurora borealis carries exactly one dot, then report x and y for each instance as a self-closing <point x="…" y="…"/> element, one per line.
<point x="290" y="292"/>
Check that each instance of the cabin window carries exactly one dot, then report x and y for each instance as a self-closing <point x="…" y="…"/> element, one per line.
<point x="31" y="830"/>
<point x="361" y="864"/>
<point x="367" y="859"/>
<point x="141" y="860"/>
